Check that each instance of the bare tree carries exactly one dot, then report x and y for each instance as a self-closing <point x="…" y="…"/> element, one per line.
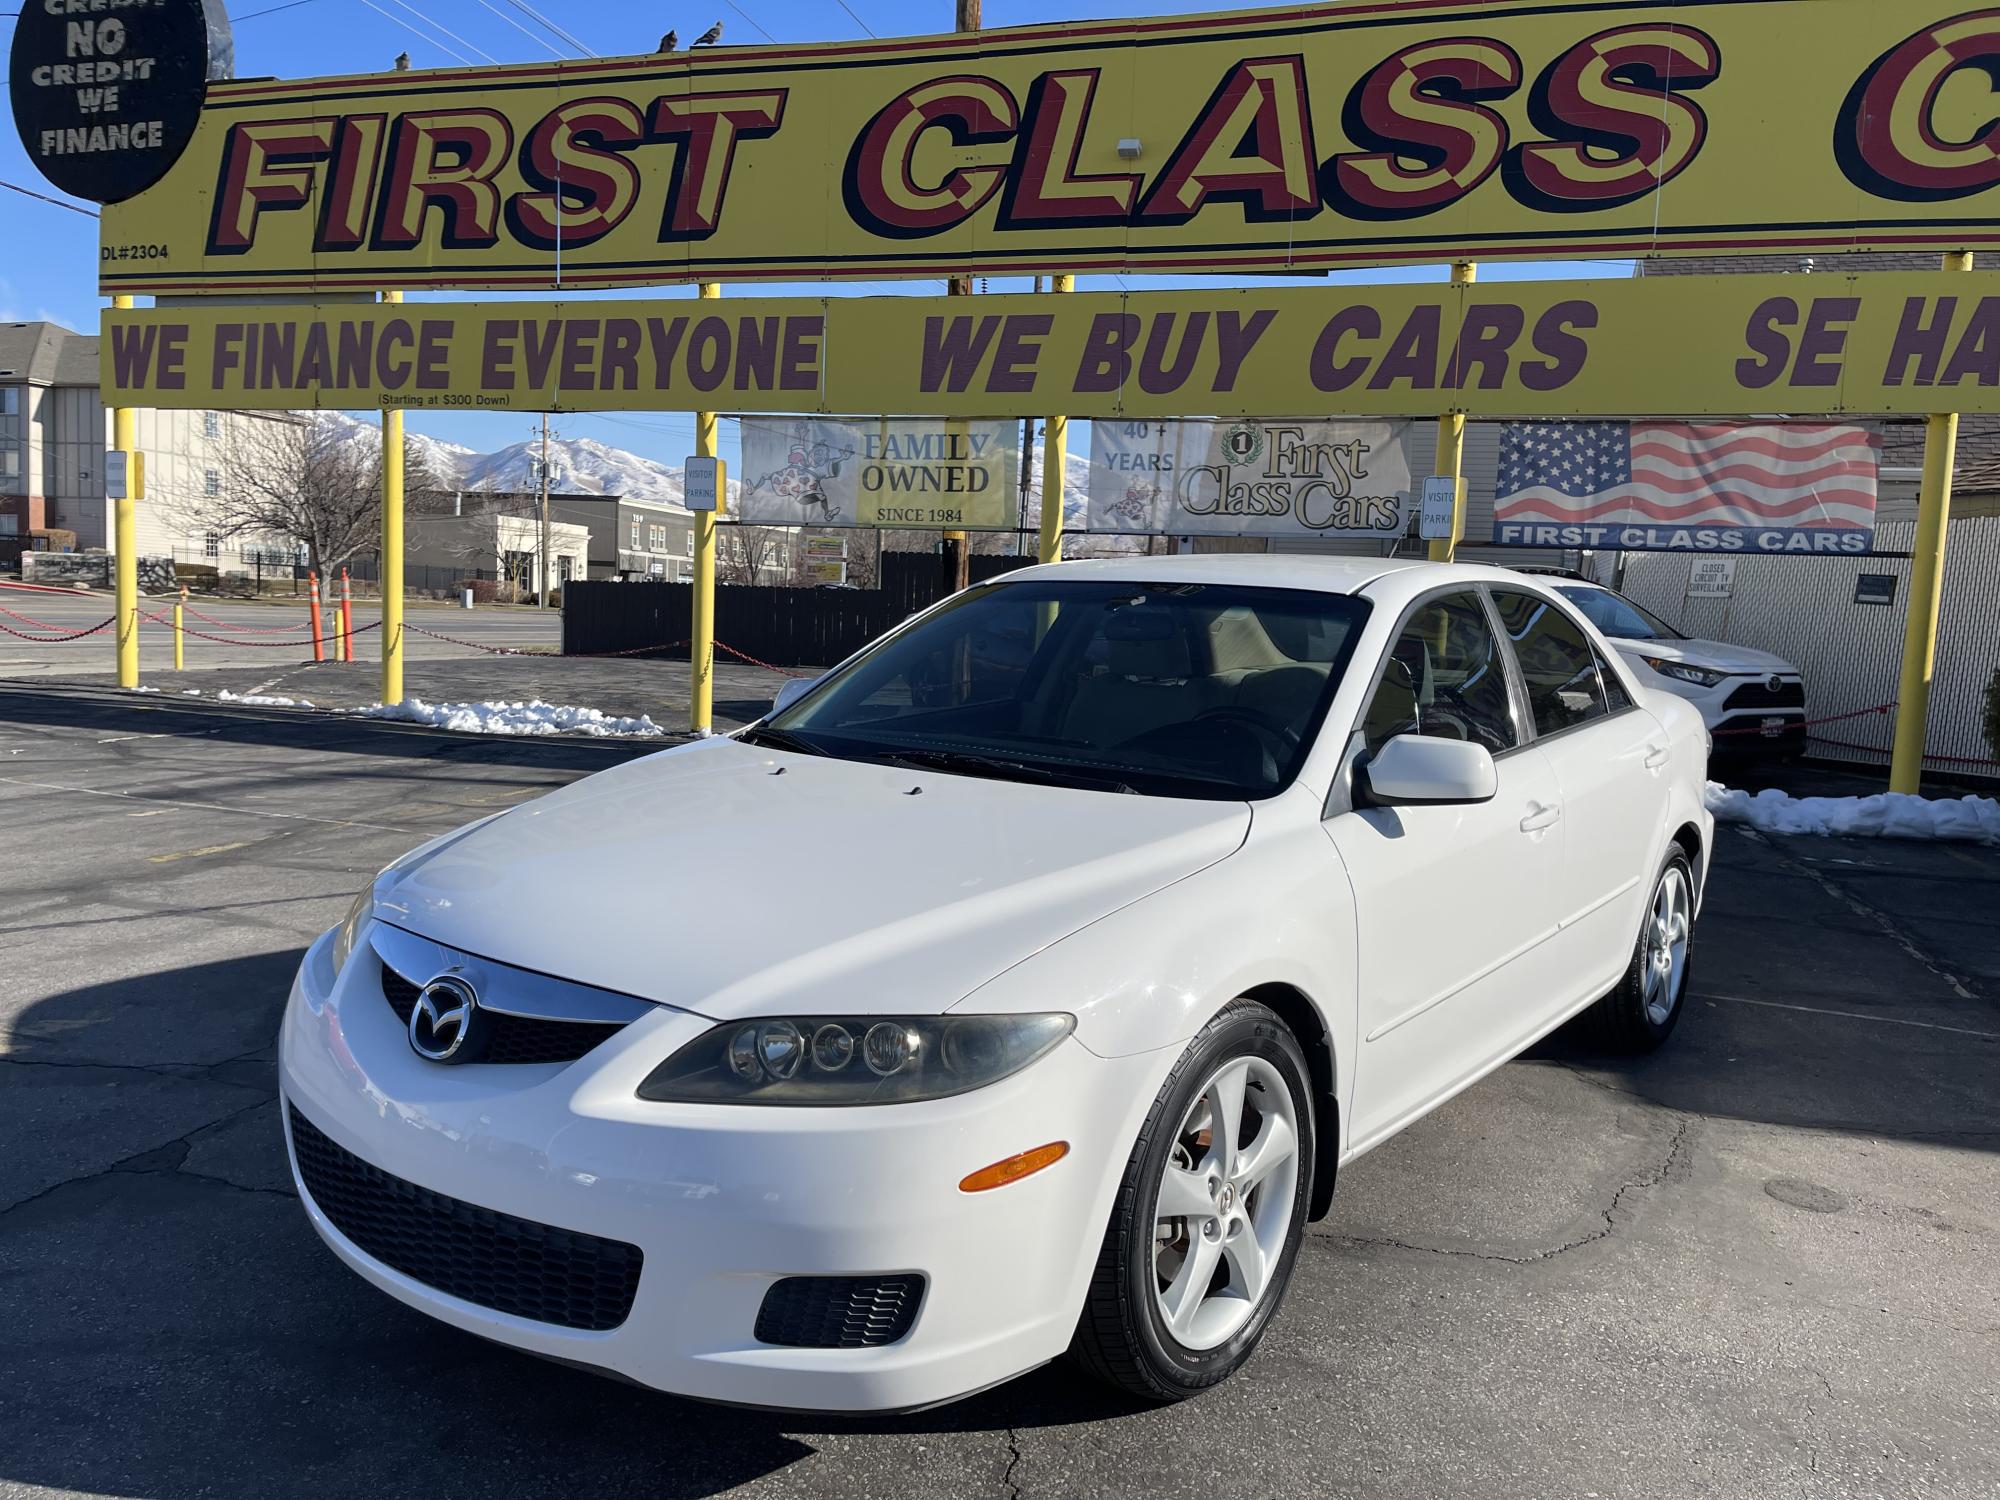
<point x="287" y="476"/>
<point x="745" y="554"/>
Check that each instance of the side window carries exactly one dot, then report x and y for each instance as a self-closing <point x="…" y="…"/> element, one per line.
<point x="1444" y="677"/>
<point x="1614" y="690"/>
<point x="1557" y="662"/>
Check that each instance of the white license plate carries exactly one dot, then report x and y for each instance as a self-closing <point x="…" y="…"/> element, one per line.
<point x="1771" y="728"/>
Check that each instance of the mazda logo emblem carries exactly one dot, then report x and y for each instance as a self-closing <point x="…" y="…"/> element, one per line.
<point x="442" y="1020"/>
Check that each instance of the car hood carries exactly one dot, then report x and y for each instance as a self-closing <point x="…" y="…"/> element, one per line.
<point x="1723" y="656"/>
<point x="733" y="881"/>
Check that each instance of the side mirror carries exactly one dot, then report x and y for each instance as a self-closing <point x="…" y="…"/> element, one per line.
<point x="1415" y="770"/>
<point x="794" y="689"/>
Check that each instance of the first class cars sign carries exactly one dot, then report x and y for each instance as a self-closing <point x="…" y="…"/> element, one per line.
<point x="1361" y="132"/>
<point x="107" y="94"/>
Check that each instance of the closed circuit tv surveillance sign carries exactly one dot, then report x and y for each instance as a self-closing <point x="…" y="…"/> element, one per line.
<point x="107" y="93"/>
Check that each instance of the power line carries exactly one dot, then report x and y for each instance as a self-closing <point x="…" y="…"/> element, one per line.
<point x="273" y="10"/>
<point x="391" y="15"/>
<point x="505" y="17"/>
<point x="447" y="31"/>
<point x="843" y="5"/>
<point x="550" y="26"/>
<point x="751" y="19"/>
<point x="75" y="208"/>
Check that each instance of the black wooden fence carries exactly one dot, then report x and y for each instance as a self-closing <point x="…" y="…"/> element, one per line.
<point x="783" y="626"/>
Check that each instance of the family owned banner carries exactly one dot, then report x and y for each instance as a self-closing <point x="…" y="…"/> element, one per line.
<point x="1276" y="477"/>
<point x="1687" y="487"/>
<point x="823" y="471"/>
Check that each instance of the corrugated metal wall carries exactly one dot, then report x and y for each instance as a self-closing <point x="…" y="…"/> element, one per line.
<point x="1851" y="654"/>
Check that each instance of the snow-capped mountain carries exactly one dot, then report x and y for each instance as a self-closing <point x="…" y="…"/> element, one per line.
<point x="577" y="466"/>
<point x="444" y="459"/>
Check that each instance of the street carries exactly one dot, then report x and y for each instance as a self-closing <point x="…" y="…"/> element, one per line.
<point x="224" y="635"/>
<point x="1757" y="1263"/>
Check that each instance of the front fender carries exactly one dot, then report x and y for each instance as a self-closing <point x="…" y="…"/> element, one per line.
<point x="1146" y="978"/>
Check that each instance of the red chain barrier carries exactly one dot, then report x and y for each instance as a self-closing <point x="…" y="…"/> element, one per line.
<point x="245" y="629"/>
<point x="747" y="657"/>
<point x="51" y="640"/>
<point x="1880" y="708"/>
<point x="202" y="635"/>
<point x="15" y="614"/>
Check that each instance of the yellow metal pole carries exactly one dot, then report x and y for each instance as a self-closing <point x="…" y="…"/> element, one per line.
<point x="1451" y="447"/>
<point x="392" y="547"/>
<point x="125" y="541"/>
<point x="1920" y="620"/>
<point x="1055" y="458"/>
<point x="701" y="639"/>
<point x="180" y="630"/>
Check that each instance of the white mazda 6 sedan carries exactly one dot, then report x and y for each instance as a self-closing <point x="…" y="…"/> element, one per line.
<point x="1012" y="991"/>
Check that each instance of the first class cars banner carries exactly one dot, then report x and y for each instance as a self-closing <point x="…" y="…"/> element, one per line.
<point x="1645" y="346"/>
<point x="1268" y="478"/>
<point x="1362" y="132"/>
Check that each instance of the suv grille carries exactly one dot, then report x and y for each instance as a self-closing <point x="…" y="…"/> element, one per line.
<point x="510" y="1039"/>
<point x="1761" y="694"/>
<point x="496" y="1260"/>
<point x="839" y="1312"/>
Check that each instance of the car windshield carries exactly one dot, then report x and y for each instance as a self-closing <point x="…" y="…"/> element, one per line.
<point x="1169" y="689"/>
<point x="1618" y="616"/>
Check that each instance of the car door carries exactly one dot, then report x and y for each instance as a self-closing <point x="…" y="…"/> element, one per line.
<point x="1454" y="904"/>
<point x="1610" y="758"/>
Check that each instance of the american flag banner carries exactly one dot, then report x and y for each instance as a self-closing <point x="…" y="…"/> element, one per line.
<point x="1683" y="487"/>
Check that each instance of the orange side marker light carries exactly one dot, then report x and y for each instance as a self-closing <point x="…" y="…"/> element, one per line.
<point x="1014" y="1168"/>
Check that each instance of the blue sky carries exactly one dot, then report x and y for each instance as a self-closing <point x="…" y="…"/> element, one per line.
<point x="48" y="254"/>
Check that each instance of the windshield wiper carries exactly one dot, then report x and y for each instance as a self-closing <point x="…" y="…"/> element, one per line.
<point x="778" y="739"/>
<point x="1001" y="767"/>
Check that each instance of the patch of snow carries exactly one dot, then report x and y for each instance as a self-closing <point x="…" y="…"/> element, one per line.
<point x="190" y="692"/>
<point x="145" y="690"/>
<point x="261" y="700"/>
<point x="492" y="717"/>
<point x="1893" y="815"/>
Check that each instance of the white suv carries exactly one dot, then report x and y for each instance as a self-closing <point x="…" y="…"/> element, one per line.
<point x="1754" y="701"/>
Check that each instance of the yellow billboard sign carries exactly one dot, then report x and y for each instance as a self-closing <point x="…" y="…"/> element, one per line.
<point x="1648" y="346"/>
<point x="1353" y="133"/>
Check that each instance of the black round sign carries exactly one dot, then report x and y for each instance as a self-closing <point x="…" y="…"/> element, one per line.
<point x="107" y="92"/>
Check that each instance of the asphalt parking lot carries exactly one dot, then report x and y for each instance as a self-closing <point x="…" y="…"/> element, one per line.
<point x="1759" y="1263"/>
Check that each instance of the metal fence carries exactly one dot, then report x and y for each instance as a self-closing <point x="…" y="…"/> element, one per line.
<point x="786" y="627"/>
<point x="1851" y="654"/>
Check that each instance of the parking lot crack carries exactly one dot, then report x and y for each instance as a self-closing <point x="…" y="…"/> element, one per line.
<point x="1013" y="1462"/>
<point x="1674" y="1165"/>
<point x="164" y="1159"/>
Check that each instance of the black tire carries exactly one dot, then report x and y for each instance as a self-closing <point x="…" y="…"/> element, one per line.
<point x="1122" y="1337"/>
<point x="1623" y="1020"/>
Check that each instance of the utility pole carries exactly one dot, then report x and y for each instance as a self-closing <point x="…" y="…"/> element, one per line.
<point x="958" y="544"/>
<point x="392" y="547"/>
<point x="547" y="564"/>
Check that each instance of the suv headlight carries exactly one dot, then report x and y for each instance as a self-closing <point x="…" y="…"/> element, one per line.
<point x="844" y="1060"/>
<point x="1699" y="676"/>
<point x="353" y="927"/>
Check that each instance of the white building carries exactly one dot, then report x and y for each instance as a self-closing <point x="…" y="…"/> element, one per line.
<point x="55" y="431"/>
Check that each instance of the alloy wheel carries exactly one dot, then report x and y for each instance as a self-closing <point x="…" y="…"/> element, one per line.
<point x="1225" y="1203"/>
<point x="1667" y="945"/>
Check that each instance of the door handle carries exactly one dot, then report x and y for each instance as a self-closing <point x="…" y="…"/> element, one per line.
<point x="1540" y="816"/>
<point x="1657" y="756"/>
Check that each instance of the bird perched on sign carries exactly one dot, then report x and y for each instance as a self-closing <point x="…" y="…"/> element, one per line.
<point x="710" y="37"/>
<point x="670" y="42"/>
<point x="402" y="62"/>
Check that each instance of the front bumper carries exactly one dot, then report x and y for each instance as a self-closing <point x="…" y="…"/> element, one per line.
<point x="1746" y="714"/>
<point x="723" y="1201"/>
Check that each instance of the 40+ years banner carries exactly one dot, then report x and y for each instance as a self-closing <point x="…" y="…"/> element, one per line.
<point x="820" y="471"/>
<point x="1250" y="478"/>
<point x="1350" y="133"/>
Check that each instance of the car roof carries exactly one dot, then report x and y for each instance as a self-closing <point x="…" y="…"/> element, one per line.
<point x="1381" y="577"/>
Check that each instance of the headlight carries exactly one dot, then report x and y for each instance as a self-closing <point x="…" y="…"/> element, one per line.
<point x="834" y="1060"/>
<point x="1699" y="676"/>
<point x="352" y="927"/>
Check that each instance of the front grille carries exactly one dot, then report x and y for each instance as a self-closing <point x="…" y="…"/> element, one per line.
<point x="496" y="1260"/>
<point x="505" y="1038"/>
<point x="1761" y="694"/>
<point x="839" y="1312"/>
